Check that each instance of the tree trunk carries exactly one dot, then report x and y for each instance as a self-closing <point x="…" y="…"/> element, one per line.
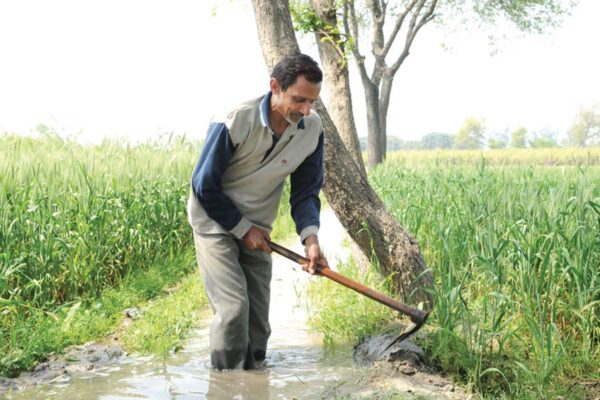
<point x="357" y="206"/>
<point x="337" y="82"/>
<point x="384" y="105"/>
<point x="375" y="152"/>
<point x="417" y="13"/>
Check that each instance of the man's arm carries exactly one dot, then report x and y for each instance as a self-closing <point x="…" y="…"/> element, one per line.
<point x="206" y="181"/>
<point x="306" y="182"/>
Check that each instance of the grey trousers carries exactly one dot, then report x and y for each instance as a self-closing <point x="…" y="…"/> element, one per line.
<point x="237" y="282"/>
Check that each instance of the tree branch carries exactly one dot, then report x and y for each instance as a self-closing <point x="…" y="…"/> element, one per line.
<point x="327" y="37"/>
<point x="377" y="30"/>
<point x="397" y="27"/>
<point x="351" y="28"/>
<point x="413" y="29"/>
<point x="377" y="40"/>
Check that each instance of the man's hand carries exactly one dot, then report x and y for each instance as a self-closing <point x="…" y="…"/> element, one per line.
<point x="256" y="239"/>
<point x="314" y="254"/>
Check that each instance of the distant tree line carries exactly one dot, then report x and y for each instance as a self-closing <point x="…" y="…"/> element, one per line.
<point x="429" y="141"/>
<point x="584" y="131"/>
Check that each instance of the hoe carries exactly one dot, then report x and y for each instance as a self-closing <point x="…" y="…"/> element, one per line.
<point x="417" y="317"/>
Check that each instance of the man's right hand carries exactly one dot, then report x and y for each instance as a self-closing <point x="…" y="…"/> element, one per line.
<point x="256" y="239"/>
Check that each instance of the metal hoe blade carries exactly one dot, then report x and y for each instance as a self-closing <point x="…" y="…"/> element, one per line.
<point x="412" y="328"/>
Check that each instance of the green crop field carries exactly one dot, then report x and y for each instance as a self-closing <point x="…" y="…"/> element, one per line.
<point x="74" y="222"/>
<point x="77" y="219"/>
<point x="513" y="241"/>
<point x="77" y="222"/>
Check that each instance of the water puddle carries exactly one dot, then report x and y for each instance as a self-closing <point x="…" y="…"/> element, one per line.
<point x="297" y="365"/>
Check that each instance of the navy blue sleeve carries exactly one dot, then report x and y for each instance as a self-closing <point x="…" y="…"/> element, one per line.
<point x="306" y="182"/>
<point x="206" y="179"/>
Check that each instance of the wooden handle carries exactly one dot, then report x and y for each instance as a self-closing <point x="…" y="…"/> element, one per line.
<point x="417" y="316"/>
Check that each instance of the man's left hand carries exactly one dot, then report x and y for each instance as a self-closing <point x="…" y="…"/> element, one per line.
<point x="314" y="254"/>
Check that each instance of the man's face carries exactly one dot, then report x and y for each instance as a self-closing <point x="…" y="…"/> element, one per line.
<point x="296" y="101"/>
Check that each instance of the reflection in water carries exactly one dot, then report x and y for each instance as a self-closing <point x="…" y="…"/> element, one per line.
<point x="296" y="364"/>
<point x="238" y="384"/>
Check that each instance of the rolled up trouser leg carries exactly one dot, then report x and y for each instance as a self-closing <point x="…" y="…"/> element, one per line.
<point x="257" y="267"/>
<point x="226" y="288"/>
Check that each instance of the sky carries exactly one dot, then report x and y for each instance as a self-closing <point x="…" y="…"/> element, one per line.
<point x="139" y="69"/>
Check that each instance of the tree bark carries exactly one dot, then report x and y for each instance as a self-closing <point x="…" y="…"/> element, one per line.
<point x="358" y="207"/>
<point x="384" y="105"/>
<point x="374" y="138"/>
<point x="337" y="81"/>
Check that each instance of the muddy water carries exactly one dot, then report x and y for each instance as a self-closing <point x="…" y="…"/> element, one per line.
<point x="297" y="365"/>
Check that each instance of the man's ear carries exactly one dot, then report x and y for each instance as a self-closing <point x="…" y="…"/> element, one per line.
<point x="275" y="88"/>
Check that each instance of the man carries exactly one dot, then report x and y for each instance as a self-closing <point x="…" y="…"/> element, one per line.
<point x="236" y="189"/>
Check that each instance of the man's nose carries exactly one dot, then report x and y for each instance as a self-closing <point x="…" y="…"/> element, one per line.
<point x="306" y="109"/>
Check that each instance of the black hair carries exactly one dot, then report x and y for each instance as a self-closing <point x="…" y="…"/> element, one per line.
<point x="287" y="71"/>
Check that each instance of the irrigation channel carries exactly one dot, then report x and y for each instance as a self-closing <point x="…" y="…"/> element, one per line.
<point x="297" y="364"/>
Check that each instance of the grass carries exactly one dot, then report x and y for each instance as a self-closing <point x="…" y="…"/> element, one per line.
<point x="76" y="219"/>
<point x="343" y="315"/>
<point x="167" y="320"/>
<point x="30" y="337"/>
<point x="519" y="157"/>
<point x="515" y="251"/>
<point x="76" y="222"/>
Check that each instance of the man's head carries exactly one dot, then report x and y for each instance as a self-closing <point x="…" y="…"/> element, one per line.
<point x="295" y="84"/>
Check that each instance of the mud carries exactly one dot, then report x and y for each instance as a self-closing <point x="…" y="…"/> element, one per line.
<point x="76" y="361"/>
<point x="403" y="367"/>
<point x="80" y="360"/>
<point x="374" y="348"/>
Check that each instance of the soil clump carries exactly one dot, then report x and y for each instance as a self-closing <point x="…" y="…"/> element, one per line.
<point x="402" y="368"/>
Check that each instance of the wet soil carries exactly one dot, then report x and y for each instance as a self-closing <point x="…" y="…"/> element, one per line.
<point x="403" y="367"/>
<point x="83" y="360"/>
